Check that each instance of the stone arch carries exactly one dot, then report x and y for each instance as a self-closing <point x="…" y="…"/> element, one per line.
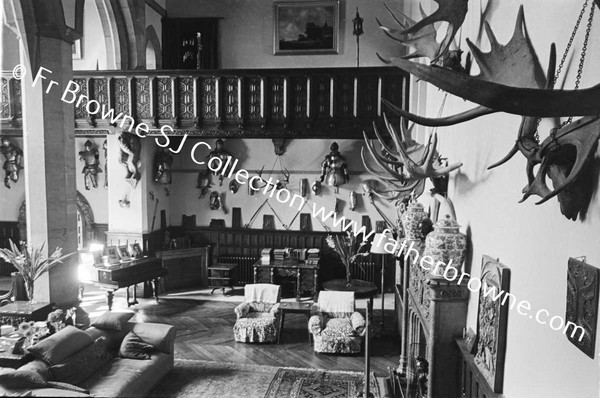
<point x="115" y="34"/>
<point x="153" y="57"/>
<point x="83" y="206"/>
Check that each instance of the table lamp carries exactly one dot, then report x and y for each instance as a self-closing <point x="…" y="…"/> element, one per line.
<point x="378" y="247"/>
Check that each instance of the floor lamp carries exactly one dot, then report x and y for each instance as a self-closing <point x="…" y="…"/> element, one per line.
<point x="378" y="247"/>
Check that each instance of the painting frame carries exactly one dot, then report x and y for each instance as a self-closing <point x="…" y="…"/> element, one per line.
<point x="124" y="253"/>
<point x="286" y="19"/>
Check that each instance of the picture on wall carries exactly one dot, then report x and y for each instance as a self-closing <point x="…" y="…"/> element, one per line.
<point x="583" y="288"/>
<point x="492" y="319"/>
<point x="309" y="27"/>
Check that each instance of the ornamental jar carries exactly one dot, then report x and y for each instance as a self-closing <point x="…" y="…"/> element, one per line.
<point x="446" y="244"/>
<point x="412" y="220"/>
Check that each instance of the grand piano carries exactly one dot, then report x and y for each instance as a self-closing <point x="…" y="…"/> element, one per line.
<point x="112" y="278"/>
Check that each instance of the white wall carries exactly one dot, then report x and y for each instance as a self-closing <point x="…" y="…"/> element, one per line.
<point x="93" y="47"/>
<point x="534" y="241"/>
<point x="246" y="34"/>
<point x="302" y="158"/>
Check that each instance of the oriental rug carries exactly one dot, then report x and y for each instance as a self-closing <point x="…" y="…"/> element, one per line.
<point x="196" y="378"/>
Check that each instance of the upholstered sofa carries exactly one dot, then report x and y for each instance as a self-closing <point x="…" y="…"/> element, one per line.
<point x="116" y="377"/>
<point x="336" y="327"/>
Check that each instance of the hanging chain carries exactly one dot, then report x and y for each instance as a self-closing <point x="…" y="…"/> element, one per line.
<point x="564" y="57"/>
<point x="584" y="46"/>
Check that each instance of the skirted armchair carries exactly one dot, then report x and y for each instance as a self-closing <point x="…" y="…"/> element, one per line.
<point x="336" y="327"/>
<point x="258" y="317"/>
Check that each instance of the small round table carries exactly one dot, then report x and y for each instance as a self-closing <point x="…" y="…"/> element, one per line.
<point x="361" y="289"/>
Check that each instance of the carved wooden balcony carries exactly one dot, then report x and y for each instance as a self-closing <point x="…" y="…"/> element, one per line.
<point x="294" y="103"/>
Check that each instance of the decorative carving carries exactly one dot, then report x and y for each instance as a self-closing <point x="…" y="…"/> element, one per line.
<point x="254" y="99"/>
<point x="230" y="100"/>
<point x="186" y="97"/>
<point x="582" y="305"/>
<point x="492" y="318"/>
<point x="322" y="87"/>
<point x="16" y="99"/>
<point x="208" y="99"/>
<point x="345" y="97"/>
<point x="143" y="104"/>
<point x="367" y="99"/>
<point x="91" y="159"/>
<point x="100" y="86"/>
<point x="80" y="112"/>
<point x="4" y="100"/>
<point x="12" y="164"/>
<point x="121" y="95"/>
<point x="164" y="97"/>
<point x="131" y="147"/>
<point x="299" y="97"/>
<point x="277" y="99"/>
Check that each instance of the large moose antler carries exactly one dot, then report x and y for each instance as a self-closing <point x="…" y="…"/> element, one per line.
<point x="407" y="165"/>
<point x="451" y="11"/>
<point x="514" y="69"/>
<point x="423" y="41"/>
<point x="507" y="95"/>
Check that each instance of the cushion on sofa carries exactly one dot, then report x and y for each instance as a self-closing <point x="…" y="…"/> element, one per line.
<point x="123" y="377"/>
<point x="82" y="364"/>
<point x="160" y="335"/>
<point x="14" y="378"/>
<point x="113" y="337"/>
<point x="112" y="320"/>
<point x="134" y="347"/>
<point x="39" y="366"/>
<point x="60" y="346"/>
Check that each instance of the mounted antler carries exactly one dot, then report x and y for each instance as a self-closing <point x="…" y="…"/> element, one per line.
<point x="451" y="11"/>
<point x="398" y="164"/>
<point x="503" y="85"/>
<point x="512" y="80"/>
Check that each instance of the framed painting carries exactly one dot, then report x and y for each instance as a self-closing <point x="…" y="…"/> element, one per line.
<point x="492" y="319"/>
<point x="306" y="27"/>
<point x="124" y="253"/>
<point x="113" y="255"/>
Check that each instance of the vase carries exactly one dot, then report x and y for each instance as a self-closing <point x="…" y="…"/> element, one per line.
<point x="412" y="220"/>
<point x="29" y="284"/>
<point x="446" y="244"/>
<point x="348" y="274"/>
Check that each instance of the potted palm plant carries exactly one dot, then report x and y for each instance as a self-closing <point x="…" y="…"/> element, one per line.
<point x="30" y="262"/>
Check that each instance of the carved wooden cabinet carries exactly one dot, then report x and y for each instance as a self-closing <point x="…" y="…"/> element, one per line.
<point x="186" y="267"/>
<point x="433" y="313"/>
<point x="304" y="276"/>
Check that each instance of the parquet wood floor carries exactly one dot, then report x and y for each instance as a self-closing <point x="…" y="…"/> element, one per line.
<point x="205" y="331"/>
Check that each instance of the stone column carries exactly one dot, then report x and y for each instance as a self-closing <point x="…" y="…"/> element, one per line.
<point x="49" y="164"/>
<point x="448" y="317"/>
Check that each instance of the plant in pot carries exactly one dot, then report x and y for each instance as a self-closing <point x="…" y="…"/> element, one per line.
<point x="347" y="247"/>
<point x="30" y="262"/>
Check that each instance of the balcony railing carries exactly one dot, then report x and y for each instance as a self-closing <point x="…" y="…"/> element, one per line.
<point x="299" y="103"/>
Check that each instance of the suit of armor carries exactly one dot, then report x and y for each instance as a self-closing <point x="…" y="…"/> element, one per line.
<point x="12" y="165"/>
<point x="91" y="158"/>
<point x="334" y="169"/>
<point x="221" y="153"/>
<point x="162" y="164"/>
